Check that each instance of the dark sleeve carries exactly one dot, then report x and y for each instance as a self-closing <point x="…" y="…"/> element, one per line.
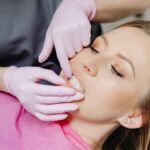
<point x="23" y="24"/>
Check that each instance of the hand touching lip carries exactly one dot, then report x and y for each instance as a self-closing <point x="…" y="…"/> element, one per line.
<point x="76" y="84"/>
<point x="73" y="82"/>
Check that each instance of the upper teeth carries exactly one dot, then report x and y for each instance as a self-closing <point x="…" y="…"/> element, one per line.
<point x="75" y="83"/>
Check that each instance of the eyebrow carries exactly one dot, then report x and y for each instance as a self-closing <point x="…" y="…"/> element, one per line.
<point x="121" y="56"/>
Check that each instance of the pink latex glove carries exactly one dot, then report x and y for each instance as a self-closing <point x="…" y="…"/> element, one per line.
<point x="48" y="103"/>
<point x="69" y="30"/>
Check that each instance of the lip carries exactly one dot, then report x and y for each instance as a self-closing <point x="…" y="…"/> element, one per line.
<point x="65" y="78"/>
<point x="69" y="84"/>
<point x="79" y="75"/>
<point x="74" y="82"/>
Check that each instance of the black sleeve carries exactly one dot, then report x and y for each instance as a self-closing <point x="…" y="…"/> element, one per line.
<point x="23" y="24"/>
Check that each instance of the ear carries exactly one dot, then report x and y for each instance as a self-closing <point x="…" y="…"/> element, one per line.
<point x="133" y="120"/>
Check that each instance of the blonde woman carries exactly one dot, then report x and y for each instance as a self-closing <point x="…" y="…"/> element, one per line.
<point x="113" y="74"/>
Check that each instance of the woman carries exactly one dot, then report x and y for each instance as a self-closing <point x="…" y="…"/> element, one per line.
<point x="114" y="78"/>
<point x="23" y="28"/>
<point x="115" y="81"/>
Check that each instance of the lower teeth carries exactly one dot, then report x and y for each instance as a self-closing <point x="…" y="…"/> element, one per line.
<point x="75" y="83"/>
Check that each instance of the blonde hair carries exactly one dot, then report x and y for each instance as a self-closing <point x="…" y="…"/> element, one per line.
<point x="133" y="139"/>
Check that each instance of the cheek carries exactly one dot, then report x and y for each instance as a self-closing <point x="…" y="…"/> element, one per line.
<point x="106" y="101"/>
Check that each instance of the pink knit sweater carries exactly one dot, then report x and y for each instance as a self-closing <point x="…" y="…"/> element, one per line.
<point x="19" y="130"/>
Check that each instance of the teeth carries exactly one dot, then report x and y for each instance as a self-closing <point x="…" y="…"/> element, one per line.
<point x="75" y="83"/>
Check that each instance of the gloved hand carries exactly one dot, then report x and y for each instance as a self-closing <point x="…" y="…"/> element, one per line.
<point x="48" y="103"/>
<point x="69" y="30"/>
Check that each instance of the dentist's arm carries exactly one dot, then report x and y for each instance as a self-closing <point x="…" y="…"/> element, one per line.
<point x="112" y="10"/>
<point x="47" y="103"/>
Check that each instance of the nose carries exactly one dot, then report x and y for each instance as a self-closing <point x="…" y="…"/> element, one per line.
<point x="90" y="67"/>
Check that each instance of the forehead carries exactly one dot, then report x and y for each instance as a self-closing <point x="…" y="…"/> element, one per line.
<point x="134" y="36"/>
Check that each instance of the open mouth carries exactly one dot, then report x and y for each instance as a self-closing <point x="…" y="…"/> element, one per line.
<point x="73" y="82"/>
<point x="76" y="84"/>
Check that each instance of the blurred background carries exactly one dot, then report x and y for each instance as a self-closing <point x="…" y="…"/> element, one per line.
<point x="108" y="26"/>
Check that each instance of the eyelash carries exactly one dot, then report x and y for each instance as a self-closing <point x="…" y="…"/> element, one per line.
<point x="94" y="50"/>
<point x="113" y="69"/>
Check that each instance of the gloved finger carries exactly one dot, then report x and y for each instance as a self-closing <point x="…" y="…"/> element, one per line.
<point x="47" y="48"/>
<point x="68" y="44"/>
<point x="47" y="90"/>
<point x="48" y="75"/>
<point x="78" y="45"/>
<point x="63" y="58"/>
<point x="59" y="99"/>
<point x="86" y="34"/>
<point x="55" y="117"/>
<point x="76" y="39"/>
<point x="56" y="108"/>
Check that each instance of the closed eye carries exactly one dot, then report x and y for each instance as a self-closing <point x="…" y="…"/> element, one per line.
<point x="94" y="50"/>
<point x="116" y="72"/>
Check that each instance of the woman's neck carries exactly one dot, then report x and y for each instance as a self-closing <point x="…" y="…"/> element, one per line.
<point x="94" y="134"/>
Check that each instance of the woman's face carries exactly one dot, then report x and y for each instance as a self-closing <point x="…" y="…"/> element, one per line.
<point x="114" y="75"/>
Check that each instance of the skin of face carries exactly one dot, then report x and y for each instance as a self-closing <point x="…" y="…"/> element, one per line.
<point x="112" y="86"/>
